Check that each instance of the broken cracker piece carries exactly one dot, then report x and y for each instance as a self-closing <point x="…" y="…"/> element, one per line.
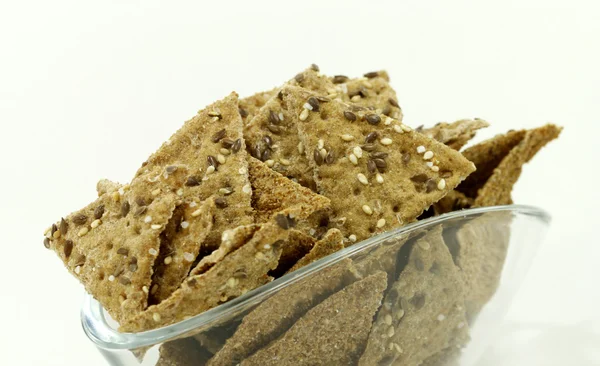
<point x="455" y="135"/>
<point x="182" y="352"/>
<point x="453" y="201"/>
<point x="332" y="242"/>
<point x="332" y="333"/>
<point x="297" y="246"/>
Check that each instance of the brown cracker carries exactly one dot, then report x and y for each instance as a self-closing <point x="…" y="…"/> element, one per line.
<point x="456" y="134"/>
<point x="249" y="106"/>
<point x="277" y="314"/>
<point x="112" y="250"/>
<point x="237" y="273"/>
<point x="332" y="333"/>
<point x="184" y="163"/>
<point x="422" y="308"/>
<point x="332" y="242"/>
<point x="297" y="246"/>
<point x="453" y="201"/>
<point x="409" y="185"/>
<point x="182" y="352"/>
<point x="180" y="245"/>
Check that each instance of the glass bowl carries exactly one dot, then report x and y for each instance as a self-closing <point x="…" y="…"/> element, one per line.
<point x="434" y="292"/>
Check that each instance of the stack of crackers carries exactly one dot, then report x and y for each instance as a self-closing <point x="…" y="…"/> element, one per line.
<point x="251" y="189"/>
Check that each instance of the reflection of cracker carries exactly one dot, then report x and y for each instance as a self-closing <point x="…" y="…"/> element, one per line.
<point x="207" y="157"/>
<point x="277" y="314"/>
<point x="456" y="134"/>
<point x="499" y="162"/>
<point x="332" y="333"/>
<point x="182" y="352"/>
<point x="391" y="183"/>
<point x="111" y="247"/>
<point x="446" y="357"/>
<point x="239" y="272"/>
<point x="421" y="310"/>
<point x="332" y="242"/>
<point x="274" y="193"/>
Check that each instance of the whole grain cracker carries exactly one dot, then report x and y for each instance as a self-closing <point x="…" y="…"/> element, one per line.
<point x="107" y="186"/>
<point x="456" y="134"/>
<point x="206" y="157"/>
<point x="332" y="242"/>
<point x="421" y="310"/>
<point x="249" y="106"/>
<point x="378" y="175"/>
<point x="237" y="273"/>
<point x="112" y="250"/>
<point x="277" y="314"/>
<point x="453" y="201"/>
<point x="180" y="245"/>
<point x="182" y="352"/>
<point x="297" y="246"/>
<point x="332" y="333"/>
<point x="447" y="357"/>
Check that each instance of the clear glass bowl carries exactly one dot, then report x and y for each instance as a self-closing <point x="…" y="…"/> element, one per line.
<point x="492" y="249"/>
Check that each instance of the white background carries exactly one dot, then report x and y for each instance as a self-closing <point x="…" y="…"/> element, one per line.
<point x="89" y="89"/>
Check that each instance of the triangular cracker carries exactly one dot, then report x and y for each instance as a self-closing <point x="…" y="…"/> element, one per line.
<point x="239" y="272"/>
<point x="277" y="314"/>
<point x="453" y="201"/>
<point x="421" y="310"/>
<point x="332" y="333"/>
<point x="112" y="244"/>
<point x="456" y="134"/>
<point x="378" y="173"/>
<point x="298" y="245"/>
<point x="207" y="157"/>
<point x="499" y="162"/>
<point x="332" y="242"/>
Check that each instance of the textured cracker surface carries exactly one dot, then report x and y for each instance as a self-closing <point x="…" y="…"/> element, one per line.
<point x="409" y="185"/>
<point x="456" y="134"/>
<point x="453" y="201"/>
<point x="182" y="352"/>
<point x="407" y="329"/>
<point x="332" y="242"/>
<point x="332" y="333"/>
<point x="276" y="315"/>
<point x="296" y="248"/>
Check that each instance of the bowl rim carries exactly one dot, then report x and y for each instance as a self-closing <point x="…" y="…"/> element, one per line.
<point x="97" y="329"/>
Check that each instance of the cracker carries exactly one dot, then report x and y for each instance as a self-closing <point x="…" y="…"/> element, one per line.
<point x="332" y="242"/>
<point x="107" y="186"/>
<point x="237" y="273"/>
<point x="273" y="193"/>
<point x="391" y="183"/>
<point x="112" y="250"/>
<point x="456" y="134"/>
<point x="421" y="310"/>
<point x="371" y="91"/>
<point x="453" y="201"/>
<point x="249" y="106"/>
<point x="332" y="333"/>
<point x="297" y="246"/>
<point x="182" y="352"/>
<point x="447" y="357"/>
<point x="207" y="157"/>
<point x="277" y="314"/>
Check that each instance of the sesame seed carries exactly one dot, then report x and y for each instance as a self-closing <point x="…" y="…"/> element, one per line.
<point x="243" y="171"/>
<point x="78" y="269"/>
<point x="155" y="227"/>
<point x="247" y="189"/>
<point x="96" y="223"/>
<point x="121" y="191"/>
<point x="267" y="246"/>
<point x="352" y="238"/>
<point x="224" y="151"/>
<point x="421" y="149"/>
<point x="300" y="147"/>
<point x="441" y="317"/>
<point x="83" y="232"/>
<point x="366" y="209"/>
<point x="355" y="98"/>
<point x="379" y="178"/>
<point x="357" y="152"/>
<point x="168" y="260"/>
<point x="398" y="129"/>
<point x="391" y="332"/>
<point x="307" y="106"/>
<point x="387" y="319"/>
<point x="148" y="219"/>
<point x="270" y="163"/>
<point x="406" y="128"/>
<point x="185" y="224"/>
<point x="231" y="282"/>
<point x="386" y="141"/>
<point x="429" y="164"/>
<point x="320" y="144"/>
<point x="156" y="192"/>
<point x="435" y="168"/>
<point x="460" y="325"/>
<point x="152" y="251"/>
<point x="156" y="317"/>
<point x="353" y="159"/>
<point x="347" y="137"/>
<point x="259" y="256"/>
<point x="441" y="184"/>
<point x="323" y="153"/>
<point x="193" y="204"/>
<point x="280" y="115"/>
<point x="361" y="178"/>
<point x="226" y="191"/>
<point x="349" y="115"/>
<point x="424" y="245"/>
<point x="303" y="115"/>
<point x="145" y="289"/>
<point x="116" y="196"/>
<point x="197" y="213"/>
<point x="285" y="162"/>
<point x="380" y="223"/>
<point x="221" y="159"/>
<point x="428" y="155"/>
<point x="189" y="257"/>
<point x="111" y="278"/>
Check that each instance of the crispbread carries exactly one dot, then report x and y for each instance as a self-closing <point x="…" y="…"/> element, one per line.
<point x="206" y="157"/>
<point x="453" y="201"/>
<point x="332" y="333"/>
<point x="249" y="106"/>
<point x="277" y="314"/>
<point x="421" y="310"/>
<point x="371" y="91"/>
<point x="456" y="134"/>
<point x="182" y="352"/>
<point x="107" y="186"/>
<point x="179" y="246"/>
<point x="297" y="246"/>
<point x="273" y="193"/>
<point x="495" y="188"/>
<point x="239" y="272"/>
<point x="332" y="242"/>
<point x="231" y="240"/>
<point x="383" y="257"/>
<point x="334" y="137"/>
<point x="112" y="250"/>
<point x="446" y="357"/>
